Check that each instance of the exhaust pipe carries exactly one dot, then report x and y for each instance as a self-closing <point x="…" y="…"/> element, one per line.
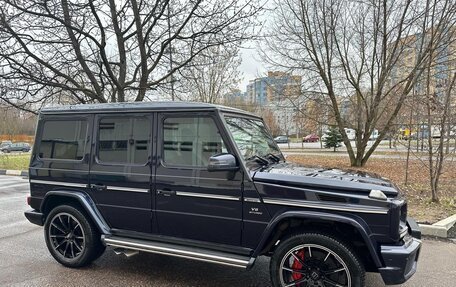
<point x="127" y="252"/>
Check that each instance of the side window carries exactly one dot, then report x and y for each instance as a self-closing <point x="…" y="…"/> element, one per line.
<point x="124" y="140"/>
<point x="64" y="139"/>
<point x="191" y="141"/>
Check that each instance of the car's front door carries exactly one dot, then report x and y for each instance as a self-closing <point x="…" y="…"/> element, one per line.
<point x="192" y="202"/>
<point x="120" y="172"/>
<point x="15" y="147"/>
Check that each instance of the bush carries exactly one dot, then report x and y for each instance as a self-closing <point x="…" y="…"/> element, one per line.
<point x="333" y="138"/>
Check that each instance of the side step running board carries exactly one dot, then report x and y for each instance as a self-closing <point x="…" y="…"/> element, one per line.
<point x="179" y="251"/>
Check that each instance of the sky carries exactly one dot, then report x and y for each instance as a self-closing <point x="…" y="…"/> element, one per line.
<point x="251" y="66"/>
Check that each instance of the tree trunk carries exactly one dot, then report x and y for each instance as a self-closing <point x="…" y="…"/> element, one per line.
<point x="409" y="140"/>
<point x="448" y="136"/>
<point x="434" y="188"/>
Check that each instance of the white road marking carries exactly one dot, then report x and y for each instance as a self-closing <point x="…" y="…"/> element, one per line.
<point x="12" y="178"/>
<point x="9" y="178"/>
<point x="15" y="198"/>
<point x="14" y="185"/>
<point x="14" y="224"/>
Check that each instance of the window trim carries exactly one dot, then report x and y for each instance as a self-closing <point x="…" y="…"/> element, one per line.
<point x="41" y="131"/>
<point x="164" y="117"/>
<point x="240" y="158"/>
<point x="129" y="116"/>
<point x="225" y="115"/>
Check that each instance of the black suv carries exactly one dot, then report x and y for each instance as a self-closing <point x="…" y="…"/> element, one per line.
<point x="209" y="183"/>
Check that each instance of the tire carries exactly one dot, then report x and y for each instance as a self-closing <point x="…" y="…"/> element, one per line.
<point x="99" y="251"/>
<point x="320" y="259"/>
<point x="71" y="237"/>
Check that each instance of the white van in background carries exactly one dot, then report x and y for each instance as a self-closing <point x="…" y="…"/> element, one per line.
<point x="351" y="133"/>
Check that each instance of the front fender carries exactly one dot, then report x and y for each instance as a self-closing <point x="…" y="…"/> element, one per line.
<point x="360" y="225"/>
<point x="85" y="201"/>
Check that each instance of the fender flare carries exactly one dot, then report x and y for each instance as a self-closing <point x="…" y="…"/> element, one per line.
<point x="359" y="225"/>
<point x="86" y="202"/>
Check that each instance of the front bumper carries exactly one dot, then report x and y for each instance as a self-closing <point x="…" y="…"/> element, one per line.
<point x="401" y="260"/>
<point x="34" y="217"/>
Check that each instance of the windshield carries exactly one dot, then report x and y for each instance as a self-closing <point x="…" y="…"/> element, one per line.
<point x="252" y="138"/>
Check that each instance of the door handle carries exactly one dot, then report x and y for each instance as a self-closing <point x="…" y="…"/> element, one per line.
<point x="166" y="192"/>
<point x="99" y="187"/>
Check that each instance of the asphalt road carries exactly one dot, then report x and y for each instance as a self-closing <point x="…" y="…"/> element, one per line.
<point x="25" y="261"/>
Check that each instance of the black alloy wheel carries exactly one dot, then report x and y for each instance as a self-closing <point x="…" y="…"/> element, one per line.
<point x="315" y="260"/>
<point x="67" y="235"/>
<point x="71" y="237"/>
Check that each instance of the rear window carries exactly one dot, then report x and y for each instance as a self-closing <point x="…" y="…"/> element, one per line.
<point x="64" y="139"/>
<point x="124" y="140"/>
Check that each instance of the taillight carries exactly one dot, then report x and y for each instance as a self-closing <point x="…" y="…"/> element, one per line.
<point x="29" y="199"/>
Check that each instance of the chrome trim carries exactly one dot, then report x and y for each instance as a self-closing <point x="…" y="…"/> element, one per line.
<point x="308" y="204"/>
<point x="252" y="199"/>
<point x="120" y="188"/>
<point x="92" y="171"/>
<point x="206" y="195"/>
<point x="403" y="233"/>
<point x="60" y="169"/>
<point x="69" y="184"/>
<point x="198" y="177"/>
<point x="178" y="253"/>
<point x="287" y="187"/>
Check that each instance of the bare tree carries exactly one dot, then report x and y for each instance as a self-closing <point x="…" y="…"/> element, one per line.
<point x="14" y="122"/>
<point x="270" y="120"/>
<point x="212" y="75"/>
<point x="369" y="52"/>
<point x="438" y="117"/>
<point x="109" y="51"/>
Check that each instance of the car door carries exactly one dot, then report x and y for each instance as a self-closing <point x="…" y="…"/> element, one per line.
<point x="14" y="147"/>
<point x="120" y="173"/>
<point x="60" y="159"/>
<point x="191" y="202"/>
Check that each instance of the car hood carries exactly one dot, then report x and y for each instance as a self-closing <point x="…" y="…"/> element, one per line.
<point x="324" y="179"/>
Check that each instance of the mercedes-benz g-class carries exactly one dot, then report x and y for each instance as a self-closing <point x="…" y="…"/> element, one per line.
<point x="209" y="183"/>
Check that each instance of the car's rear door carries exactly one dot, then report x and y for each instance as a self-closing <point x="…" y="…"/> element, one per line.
<point x="120" y="173"/>
<point x="60" y="158"/>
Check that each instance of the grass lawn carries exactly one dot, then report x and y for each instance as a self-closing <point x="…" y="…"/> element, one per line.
<point x="14" y="161"/>
<point x="417" y="191"/>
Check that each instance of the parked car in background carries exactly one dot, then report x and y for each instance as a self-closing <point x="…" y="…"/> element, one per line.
<point x="374" y="135"/>
<point x="312" y="138"/>
<point x="24" y="147"/>
<point x="281" y="139"/>
<point x="4" y="144"/>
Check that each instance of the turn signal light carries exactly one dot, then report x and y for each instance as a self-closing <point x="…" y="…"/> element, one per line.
<point x="28" y="200"/>
<point x="377" y="194"/>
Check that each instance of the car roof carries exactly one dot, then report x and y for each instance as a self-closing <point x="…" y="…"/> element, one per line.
<point x="166" y="106"/>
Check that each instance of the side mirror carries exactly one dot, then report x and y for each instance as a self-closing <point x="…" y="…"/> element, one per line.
<point x="222" y="162"/>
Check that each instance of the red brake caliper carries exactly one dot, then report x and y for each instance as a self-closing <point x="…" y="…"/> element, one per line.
<point x="297" y="265"/>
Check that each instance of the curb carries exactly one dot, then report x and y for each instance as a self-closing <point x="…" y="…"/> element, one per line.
<point x="445" y="228"/>
<point x="13" y="172"/>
